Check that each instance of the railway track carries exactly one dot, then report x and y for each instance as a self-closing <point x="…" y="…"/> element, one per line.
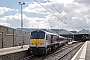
<point x="58" y="55"/>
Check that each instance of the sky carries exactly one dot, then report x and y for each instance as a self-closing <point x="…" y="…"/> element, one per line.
<point x="48" y="14"/>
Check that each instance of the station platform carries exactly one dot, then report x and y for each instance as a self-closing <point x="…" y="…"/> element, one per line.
<point x="9" y="50"/>
<point x="83" y="53"/>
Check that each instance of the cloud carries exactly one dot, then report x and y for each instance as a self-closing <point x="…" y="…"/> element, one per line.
<point x="36" y="8"/>
<point x="72" y="16"/>
<point x="5" y="24"/>
<point x="87" y="2"/>
<point x="15" y="21"/>
<point x="63" y="1"/>
<point x="5" y="9"/>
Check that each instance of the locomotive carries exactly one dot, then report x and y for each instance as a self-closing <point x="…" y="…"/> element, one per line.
<point x="42" y="42"/>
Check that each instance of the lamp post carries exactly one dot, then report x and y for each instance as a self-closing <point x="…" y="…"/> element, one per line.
<point x="21" y="14"/>
<point x="22" y="23"/>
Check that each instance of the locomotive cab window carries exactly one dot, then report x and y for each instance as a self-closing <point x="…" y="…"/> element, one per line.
<point x="33" y="35"/>
<point x="37" y="35"/>
<point x="41" y="35"/>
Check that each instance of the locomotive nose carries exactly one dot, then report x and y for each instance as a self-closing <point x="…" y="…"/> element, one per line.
<point x="37" y="42"/>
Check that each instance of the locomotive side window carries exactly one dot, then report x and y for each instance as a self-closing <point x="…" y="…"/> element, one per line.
<point x="49" y="37"/>
<point x="46" y="37"/>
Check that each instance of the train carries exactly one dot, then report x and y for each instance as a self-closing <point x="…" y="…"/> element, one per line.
<point x="42" y="42"/>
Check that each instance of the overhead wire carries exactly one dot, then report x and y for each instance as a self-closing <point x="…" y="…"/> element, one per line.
<point x="47" y="9"/>
<point x="60" y="13"/>
<point x="51" y="12"/>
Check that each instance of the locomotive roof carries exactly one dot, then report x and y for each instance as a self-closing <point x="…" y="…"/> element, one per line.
<point x="49" y="33"/>
<point x="45" y="32"/>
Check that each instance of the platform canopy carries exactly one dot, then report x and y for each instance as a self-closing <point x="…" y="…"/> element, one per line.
<point x="84" y="32"/>
<point x="65" y="32"/>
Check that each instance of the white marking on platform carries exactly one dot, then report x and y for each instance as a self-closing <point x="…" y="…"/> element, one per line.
<point x="83" y="52"/>
<point x="81" y="58"/>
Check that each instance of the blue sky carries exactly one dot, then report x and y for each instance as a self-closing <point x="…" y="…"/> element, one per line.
<point x="13" y="4"/>
<point x="72" y="15"/>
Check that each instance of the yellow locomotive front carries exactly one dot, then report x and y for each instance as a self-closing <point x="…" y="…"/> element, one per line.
<point x="37" y="43"/>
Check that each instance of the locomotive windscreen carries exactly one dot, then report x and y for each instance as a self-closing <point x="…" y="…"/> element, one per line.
<point x="37" y="34"/>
